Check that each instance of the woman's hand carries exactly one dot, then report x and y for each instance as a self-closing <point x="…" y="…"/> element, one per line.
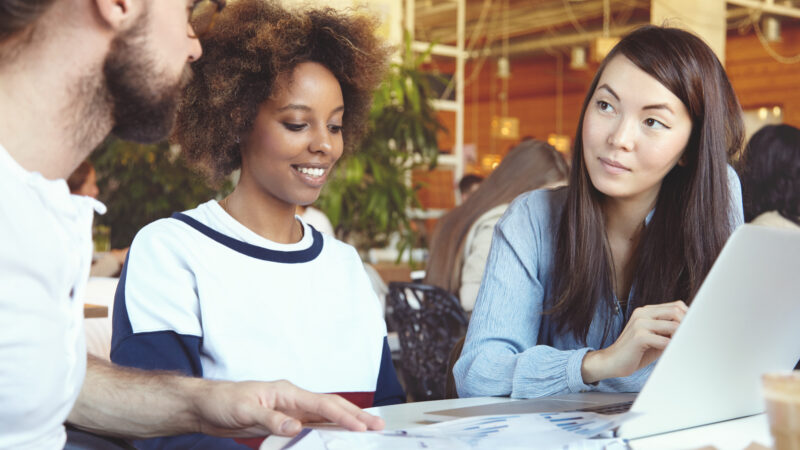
<point x="644" y="338"/>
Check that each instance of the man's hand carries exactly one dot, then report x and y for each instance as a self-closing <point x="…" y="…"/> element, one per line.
<point x="253" y="408"/>
<point x="119" y="401"/>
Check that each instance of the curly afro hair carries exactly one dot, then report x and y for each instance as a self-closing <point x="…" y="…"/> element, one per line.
<point x="252" y="43"/>
<point x="770" y="173"/>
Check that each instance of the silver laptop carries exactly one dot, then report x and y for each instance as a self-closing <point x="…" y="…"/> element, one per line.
<point x="744" y="321"/>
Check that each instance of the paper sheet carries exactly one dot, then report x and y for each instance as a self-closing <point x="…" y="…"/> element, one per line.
<point x="514" y="431"/>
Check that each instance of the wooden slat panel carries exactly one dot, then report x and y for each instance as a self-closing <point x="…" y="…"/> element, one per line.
<point x="438" y="188"/>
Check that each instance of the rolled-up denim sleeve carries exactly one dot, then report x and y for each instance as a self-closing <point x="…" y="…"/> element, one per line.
<point x="501" y="355"/>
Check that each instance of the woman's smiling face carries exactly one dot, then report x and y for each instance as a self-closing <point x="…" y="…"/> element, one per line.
<point x="634" y="132"/>
<point x="297" y="136"/>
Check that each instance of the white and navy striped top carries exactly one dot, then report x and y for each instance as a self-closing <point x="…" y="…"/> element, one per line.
<point x="204" y="295"/>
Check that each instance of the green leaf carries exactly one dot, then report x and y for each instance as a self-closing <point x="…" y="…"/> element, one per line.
<point x="141" y="183"/>
<point x="369" y="196"/>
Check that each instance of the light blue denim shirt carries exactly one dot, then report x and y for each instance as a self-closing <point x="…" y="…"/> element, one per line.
<point x="511" y="347"/>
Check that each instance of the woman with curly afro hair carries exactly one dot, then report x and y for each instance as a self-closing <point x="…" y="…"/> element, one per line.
<point x="243" y="289"/>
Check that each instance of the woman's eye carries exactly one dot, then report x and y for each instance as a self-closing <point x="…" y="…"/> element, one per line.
<point x="335" y="129"/>
<point x="653" y="123"/>
<point x="604" y="105"/>
<point x="294" y="126"/>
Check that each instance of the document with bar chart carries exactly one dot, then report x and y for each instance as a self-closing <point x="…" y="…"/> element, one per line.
<point x="515" y="431"/>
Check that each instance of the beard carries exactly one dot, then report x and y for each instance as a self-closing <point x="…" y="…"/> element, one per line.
<point x="142" y="97"/>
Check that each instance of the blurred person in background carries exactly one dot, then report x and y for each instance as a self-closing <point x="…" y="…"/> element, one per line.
<point x="770" y="174"/>
<point x="83" y="181"/>
<point x="461" y="241"/>
<point x="469" y="184"/>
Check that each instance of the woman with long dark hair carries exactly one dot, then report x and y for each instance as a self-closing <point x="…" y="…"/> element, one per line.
<point x="460" y="243"/>
<point x="585" y="285"/>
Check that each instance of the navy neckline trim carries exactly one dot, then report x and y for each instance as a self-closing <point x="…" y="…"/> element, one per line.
<point x="254" y="251"/>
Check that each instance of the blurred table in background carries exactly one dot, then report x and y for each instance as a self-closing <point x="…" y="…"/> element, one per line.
<point x="92" y="311"/>
<point x="393" y="272"/>
<point x="99" y="294"/>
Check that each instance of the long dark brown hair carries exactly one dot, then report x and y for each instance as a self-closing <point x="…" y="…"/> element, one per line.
<point x="692" y="217"/>
<point x="530" y="165"/>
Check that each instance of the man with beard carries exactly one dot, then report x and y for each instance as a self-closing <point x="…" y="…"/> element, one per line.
<point x="71" y="71"/>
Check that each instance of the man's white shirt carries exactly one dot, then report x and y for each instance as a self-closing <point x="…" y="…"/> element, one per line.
<point x="45" y="256"/>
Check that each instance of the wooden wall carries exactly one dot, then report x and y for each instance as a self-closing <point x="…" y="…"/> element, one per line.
<point x="759" y="80"/>
<point x="532" y="98"/>
<point x="532" y="92"/>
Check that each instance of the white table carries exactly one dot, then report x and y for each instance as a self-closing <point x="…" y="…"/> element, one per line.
<point x="749" y="432"/>
<point x="735" y="434"/>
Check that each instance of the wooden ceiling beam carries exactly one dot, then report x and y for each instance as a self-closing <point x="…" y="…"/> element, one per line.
<point x="525" y="18"/>
<point x="554" y="42"/>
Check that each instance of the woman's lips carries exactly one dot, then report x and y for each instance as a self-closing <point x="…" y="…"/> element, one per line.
<point x="613" y="166"/>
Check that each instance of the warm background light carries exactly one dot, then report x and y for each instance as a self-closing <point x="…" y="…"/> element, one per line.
<point x="505" y="127"/>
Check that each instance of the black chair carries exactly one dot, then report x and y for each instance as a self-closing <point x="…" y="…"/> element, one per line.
<point x="428" y="321"/>
<point x="450" y="390"/>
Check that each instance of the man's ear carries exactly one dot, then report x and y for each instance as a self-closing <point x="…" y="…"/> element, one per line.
<point x="116" y="13"/>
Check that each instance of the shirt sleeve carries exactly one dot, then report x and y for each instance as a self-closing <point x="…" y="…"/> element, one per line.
<point x="501" y="355"/>
<point x="735" y="188"/>
<point x="156" y="323"/>
<point x="388" y="391"/>
<point x="156" y="320"/>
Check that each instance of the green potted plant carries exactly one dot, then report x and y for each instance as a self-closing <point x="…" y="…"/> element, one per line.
<point x="142" y="183"/>
<point x="370" y="195"/>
